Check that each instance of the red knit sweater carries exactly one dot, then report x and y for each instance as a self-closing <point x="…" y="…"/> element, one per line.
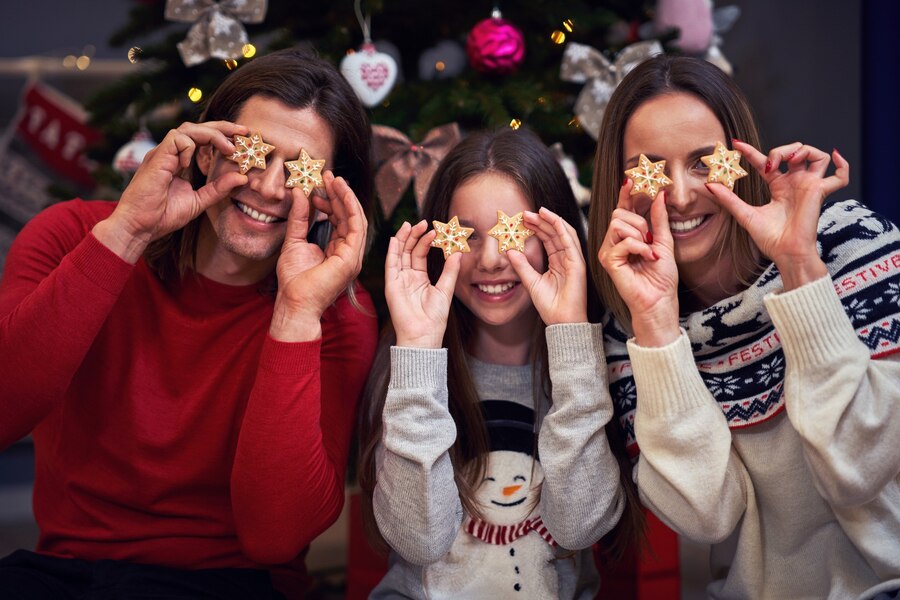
<point x="169" y="427"/>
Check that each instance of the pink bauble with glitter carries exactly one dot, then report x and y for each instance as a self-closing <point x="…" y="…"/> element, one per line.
<point x="496" y="46"/>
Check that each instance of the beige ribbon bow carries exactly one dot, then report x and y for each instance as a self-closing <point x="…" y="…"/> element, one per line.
<point x="401" y="161"/>
<point x="217" y="31"/>
<point x="583" y="64"/>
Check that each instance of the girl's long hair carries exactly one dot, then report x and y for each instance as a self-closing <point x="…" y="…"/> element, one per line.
<point x="522" y="157"/>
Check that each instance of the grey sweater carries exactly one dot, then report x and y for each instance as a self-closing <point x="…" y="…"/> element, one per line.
<point x="416" y="502"/>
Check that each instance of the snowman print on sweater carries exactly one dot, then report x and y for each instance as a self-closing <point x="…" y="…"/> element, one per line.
<point x="508" y="553"/>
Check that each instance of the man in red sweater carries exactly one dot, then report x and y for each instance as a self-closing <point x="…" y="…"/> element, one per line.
<point x="188" y="360"/>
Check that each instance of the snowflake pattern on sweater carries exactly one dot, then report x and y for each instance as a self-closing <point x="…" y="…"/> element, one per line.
<point x="735" y="345"/>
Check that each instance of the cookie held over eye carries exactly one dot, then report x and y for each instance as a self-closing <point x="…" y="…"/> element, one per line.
<point x="649" y="177"/>
<point x="306" y="172"/>
<point x="451" y="237"/>
<point x="724" y="166"/>
<point x="250" y="152"/>
<point x="510" y="232"/>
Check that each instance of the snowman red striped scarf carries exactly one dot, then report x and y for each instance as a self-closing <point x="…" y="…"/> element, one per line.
<point x="501" y="535"/>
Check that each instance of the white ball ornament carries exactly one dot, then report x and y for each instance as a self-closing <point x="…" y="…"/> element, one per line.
<point x="131" y="155"/>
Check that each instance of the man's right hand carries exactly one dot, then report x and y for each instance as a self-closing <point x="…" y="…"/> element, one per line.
<point x="159" y="200"/>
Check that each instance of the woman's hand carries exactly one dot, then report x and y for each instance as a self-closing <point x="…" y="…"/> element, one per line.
<point x="418" y="309"/>
<point x="158" y="200"/>
<point x="309" y="280"/>
<point x="642" y="266"/>
<point x="785" y="229"/>
<point x="560" y="293"/>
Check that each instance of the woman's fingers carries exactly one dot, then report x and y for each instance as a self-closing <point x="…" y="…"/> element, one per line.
<point x="617" y="255"/>
<point x="754" y="157"/>
<point x="619" y="229"/>
<point x="659" y="217"/>
<point x="841" y="177"/>
<point x="625" y="201"/>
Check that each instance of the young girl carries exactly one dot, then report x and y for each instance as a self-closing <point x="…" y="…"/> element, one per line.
<point x="478" y="331"/>
<point x="754" y="348"/>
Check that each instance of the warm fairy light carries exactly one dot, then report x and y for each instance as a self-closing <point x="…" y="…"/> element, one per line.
<point x="82" y="62"/>
<point x="230" y="64"/>
<point x="574" y="122"/>
<point x="248" y="50"/>
<point x="439" y="66"/>
<point x="541" y="100"/>
<point x="568" y="24"/>
<point x="69" y="61"/>
<point x="195" y="94"/>
<point x="134" y="54"/>
<point x="558" y="37"/>
<point x="515" y="124"/>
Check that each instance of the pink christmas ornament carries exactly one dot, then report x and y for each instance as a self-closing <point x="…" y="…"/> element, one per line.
<point x="495" y="46"/>
<point x="692" y="17"/>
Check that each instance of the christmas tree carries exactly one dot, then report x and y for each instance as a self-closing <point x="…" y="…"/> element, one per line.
<point x="436" y="84"/>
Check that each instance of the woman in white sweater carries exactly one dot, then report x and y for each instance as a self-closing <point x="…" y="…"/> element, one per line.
<point x="754" y="340"/>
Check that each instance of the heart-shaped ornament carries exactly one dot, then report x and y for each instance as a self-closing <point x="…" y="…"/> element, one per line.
<point x="371" y="74"/>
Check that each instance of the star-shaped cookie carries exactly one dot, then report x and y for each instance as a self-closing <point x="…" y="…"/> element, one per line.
<point x="451" y="237"/>
<point x="510" y="232"/>
<point x="250" y="152"/>
<point x="649" y="177"/>
<point x="724" y="166"/>
<point x="306" y="172"/>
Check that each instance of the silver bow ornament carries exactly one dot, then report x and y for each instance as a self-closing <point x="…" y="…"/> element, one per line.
<point x="583" y="64"/>
<point x="218" y="31"/>
<point x="401" y="161"/>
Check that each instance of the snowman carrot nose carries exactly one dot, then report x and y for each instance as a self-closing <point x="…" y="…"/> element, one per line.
<point x="512" y="489"/>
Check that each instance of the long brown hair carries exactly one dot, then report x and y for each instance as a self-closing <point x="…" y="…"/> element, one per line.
<point x="667" y="75"/>
<point x="521" y="156"/>
<point x="299" y="79"/>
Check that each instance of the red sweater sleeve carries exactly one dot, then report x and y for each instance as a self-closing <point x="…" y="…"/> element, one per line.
<point x="288" y="477"/>
<point x="58" y="287"/>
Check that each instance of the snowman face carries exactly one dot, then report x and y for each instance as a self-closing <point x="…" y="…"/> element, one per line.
<point x="511" y="487"/>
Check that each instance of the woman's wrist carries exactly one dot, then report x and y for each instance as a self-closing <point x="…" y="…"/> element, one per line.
<point x="655" y="328"/>
<point x="798" y="272"/>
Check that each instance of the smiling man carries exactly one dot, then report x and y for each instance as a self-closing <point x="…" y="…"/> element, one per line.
<point x="193" y="425"/>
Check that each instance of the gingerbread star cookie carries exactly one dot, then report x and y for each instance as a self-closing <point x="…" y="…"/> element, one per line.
<point x="306" y="172"/>
<point x="724" y="166"/>
<point x="451" y="237"/>
<point x="510" y="232"/>
<point x="649" y="177"/>
<point x="250" y="152"/>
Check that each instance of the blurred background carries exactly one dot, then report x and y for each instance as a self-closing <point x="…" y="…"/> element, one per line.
<point x="85" y="88"/>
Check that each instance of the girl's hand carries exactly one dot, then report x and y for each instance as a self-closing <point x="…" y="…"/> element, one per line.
<point x="785" y="229"/>
<point x="309" y="280"/>
<point x="559" y="294"/>
<point x="642" y="267"/>
<point x="158" y="200"/>
<point x="418" y="309"/>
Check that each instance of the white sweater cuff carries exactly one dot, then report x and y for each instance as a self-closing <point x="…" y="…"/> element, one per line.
<point x="811" y="323"/>
<point x="666" y="377"/>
